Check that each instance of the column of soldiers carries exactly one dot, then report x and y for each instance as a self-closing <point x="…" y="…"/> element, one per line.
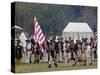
<point x="58" y="51"/>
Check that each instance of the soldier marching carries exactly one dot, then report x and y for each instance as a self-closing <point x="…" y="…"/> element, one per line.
<point x="57" y="51"/>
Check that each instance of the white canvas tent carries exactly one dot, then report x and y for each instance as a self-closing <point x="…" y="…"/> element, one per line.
<point x="77" y="31"/>
<point x="23" y="39"/>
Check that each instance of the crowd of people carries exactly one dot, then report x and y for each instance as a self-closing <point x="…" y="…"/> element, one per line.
<point x="55" y="51"/>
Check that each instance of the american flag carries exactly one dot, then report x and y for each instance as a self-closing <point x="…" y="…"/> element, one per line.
<point x="38" y="35"/>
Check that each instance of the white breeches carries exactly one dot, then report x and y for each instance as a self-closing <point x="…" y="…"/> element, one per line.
<point x="79" y="53"/>
<point x="67" y="56"/>
<point x="23" y="58"/>
<point x="88" y="60"/>
<point x="28" y="56"/>
<point x="92" y="54"/>
<point x="45" y="56"/>
<point x="60" y="55"/>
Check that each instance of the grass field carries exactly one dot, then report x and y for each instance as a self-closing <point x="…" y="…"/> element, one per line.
<point x="43" y="67"/>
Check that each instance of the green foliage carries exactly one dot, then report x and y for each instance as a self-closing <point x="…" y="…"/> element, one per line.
<point x="47" y="16"/>
<point x="52" y="18"/>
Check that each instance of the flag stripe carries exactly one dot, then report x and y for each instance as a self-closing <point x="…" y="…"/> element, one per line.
<point x="38" y="34"/>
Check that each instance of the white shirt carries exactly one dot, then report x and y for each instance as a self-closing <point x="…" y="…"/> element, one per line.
<point x="88" y="51"/>
<point x="65" y="46"/>
<point x="29" y="46"/>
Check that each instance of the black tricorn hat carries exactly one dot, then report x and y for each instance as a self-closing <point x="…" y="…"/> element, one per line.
<point x="18" y="41"/>
<point x="27" y="40"/>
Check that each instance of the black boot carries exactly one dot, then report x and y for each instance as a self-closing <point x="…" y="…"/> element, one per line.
<point x="37" y="61"/>
<point x="49" y="66"/>
<point x="74" y="64"/>
<point x="30" y="61"/>
<point x="34" y="61"/>
<point x="56" y="65"/>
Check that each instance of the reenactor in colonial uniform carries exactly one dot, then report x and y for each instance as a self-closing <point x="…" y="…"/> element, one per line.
<point x="88" y="55"/>
<point x="92" y="48"/>
<point x="36" y="53"/>
<point x="46" y="48"/>
<point x="32" y="56"/>
<point x="28" y="51"/>
<point x="76" y="50"/>
<point x="67" y="53"/>
<point x="79" y="52"/>
<point x="83" y="53"/>
<point x="19" y="50"/>
<point x="52" y="54"/>
<point x="73" y="52"/>
<point x="60" y="49"/>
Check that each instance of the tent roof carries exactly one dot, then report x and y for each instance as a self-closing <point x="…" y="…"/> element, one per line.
<point x="17" y="27"/>
<point x="22" y="36"/>
<point x="77" y="27"/>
